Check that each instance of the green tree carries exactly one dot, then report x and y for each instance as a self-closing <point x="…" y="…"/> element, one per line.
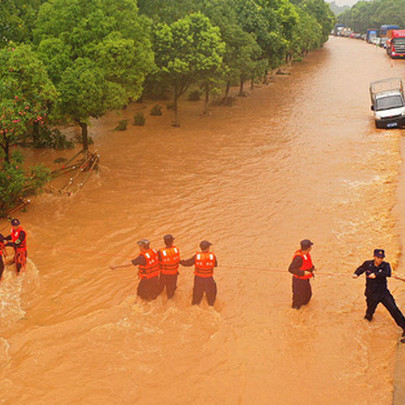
<point x="17" y="182"/>
<point x="17" y="18"/>
<point x="241" y="48"/>
<point x="26" y="94"/>
<point x="323" y="15"/>
<point x="168" y="11"/>
<point x="185" y="51"/>
<point x="97" y="53"/>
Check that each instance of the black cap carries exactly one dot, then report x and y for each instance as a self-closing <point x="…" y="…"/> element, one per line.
<point x="143" y="242"/>
<point x="306" y="244"/>
<point x="168" y="238"/>
<point x="205" y="244"/>
<point x="15" y="222"/>
<point x="379" y="253"/>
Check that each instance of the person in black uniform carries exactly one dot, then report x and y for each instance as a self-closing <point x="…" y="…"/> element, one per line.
<point x="377" y="271"/>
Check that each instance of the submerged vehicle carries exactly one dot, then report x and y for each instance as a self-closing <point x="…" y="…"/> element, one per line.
<point x="387" y="102"/>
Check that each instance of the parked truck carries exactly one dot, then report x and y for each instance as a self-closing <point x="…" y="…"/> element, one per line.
<point x="387" y="102"/>
<point x="396" y="43"/>
<point x="371" y="35"/>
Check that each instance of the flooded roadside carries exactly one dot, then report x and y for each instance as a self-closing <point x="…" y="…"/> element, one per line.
<point x="299" y="158"/>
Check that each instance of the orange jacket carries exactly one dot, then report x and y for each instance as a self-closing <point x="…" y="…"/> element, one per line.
<point x="204" y="264"/>
<point x="169" y="260"/>
<point x="306" y="264"/>
<point x="151" y="268"/>
<point x="15" y="235"/>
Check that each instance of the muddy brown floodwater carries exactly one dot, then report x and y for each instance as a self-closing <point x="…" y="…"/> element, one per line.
<point x="297" y="159"/>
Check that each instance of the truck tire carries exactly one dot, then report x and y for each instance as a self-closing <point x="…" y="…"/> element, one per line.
<point x="379" y="125"/>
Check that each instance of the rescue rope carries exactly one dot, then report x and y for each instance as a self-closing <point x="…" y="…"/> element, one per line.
<point x="224" y="266"/>
<point x="88" y="252"/>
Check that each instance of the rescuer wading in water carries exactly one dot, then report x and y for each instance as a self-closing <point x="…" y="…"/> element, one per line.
<point x="302" y="269"/>
<point x="204" y="263"/>
<point x="148" y="262"/>
<point x="18" y="239"/>
<point x="169" y="259"/>
<point x="376" y="291"/>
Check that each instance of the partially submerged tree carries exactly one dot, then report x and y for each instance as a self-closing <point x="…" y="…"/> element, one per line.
<point x="97" y="52"/>
<point x="185" y="51"/>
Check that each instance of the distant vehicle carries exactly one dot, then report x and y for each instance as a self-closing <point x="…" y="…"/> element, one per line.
<point x="387" y="102"/>
<point x="371" y="34"/>
<point x="385" y="28"/>
<point x="337" y="29"/>
<point x="396" y="43"/>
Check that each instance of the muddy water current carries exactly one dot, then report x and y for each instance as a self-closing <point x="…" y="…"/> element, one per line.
<point x="299" y="158"/>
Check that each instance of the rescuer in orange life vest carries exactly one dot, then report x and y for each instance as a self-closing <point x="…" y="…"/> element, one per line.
<point x="148" y="262"/>
<point x="18" y="239"/>
<point x="169" y="259"/>
<point x="204" y="263"/>
<point x="302" y="269"/>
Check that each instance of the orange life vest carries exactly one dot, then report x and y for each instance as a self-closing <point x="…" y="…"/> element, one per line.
<point x="306" y="264"/>
<point x="204" y="264"/>
<point x="15" y="235"/>
<point x="151" y="268"/>
<point x="169" y="260"/>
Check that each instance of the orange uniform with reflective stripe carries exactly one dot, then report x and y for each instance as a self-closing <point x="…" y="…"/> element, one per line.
<point x="306" y="264"/>
<point x="169" y="260"/>
<point x="151" y="268"/>
<point x="204" y="264"/>
<point x="15" y="235"/>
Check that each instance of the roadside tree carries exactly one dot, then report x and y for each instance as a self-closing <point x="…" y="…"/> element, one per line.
<point x="26" y="95"/>
<point x="186" y="51"/>
<point x="97" y="54"/>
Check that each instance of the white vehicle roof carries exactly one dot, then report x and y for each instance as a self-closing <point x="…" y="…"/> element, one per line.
<point x="385" y="87"/>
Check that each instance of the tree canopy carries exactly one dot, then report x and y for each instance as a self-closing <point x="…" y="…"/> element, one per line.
<point x="373" y="14"/>
<point x="97" y="52"/>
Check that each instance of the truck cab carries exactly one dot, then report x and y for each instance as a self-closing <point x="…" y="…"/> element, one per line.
<point x="396" y="43"/>
<point x="387" y="103"/>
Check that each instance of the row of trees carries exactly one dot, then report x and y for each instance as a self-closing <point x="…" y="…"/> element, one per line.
<point x="70" y="60"/>
<point x="373" y="14"/>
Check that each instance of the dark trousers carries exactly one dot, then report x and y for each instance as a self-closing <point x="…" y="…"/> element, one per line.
<point x="170" y="282"/>
<point x="388" y="301"/>
<point x="205" y="285"/>
<point x="1" y="266"/>
<point x="302" y="292"/>
<point x="20" y="259"/>
<point x="148" y="288"/>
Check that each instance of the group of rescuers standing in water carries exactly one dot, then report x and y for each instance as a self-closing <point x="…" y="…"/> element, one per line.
<point x="158" y="269"/>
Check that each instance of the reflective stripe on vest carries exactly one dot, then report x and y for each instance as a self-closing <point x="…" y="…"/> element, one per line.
<point x="204" y="264"/>
<point x="15" y="235"/>
<point x="169" y="260"/>
<point x="151" y="268"/>
<point x="306" y="264"/>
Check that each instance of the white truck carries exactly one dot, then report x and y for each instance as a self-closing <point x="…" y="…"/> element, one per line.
<point x="387" y="102"/>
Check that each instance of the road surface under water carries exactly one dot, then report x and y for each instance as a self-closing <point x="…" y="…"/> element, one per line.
<point x="297" y="159"/>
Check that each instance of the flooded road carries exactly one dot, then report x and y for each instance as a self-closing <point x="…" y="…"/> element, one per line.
<point x="297" y="159"/>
